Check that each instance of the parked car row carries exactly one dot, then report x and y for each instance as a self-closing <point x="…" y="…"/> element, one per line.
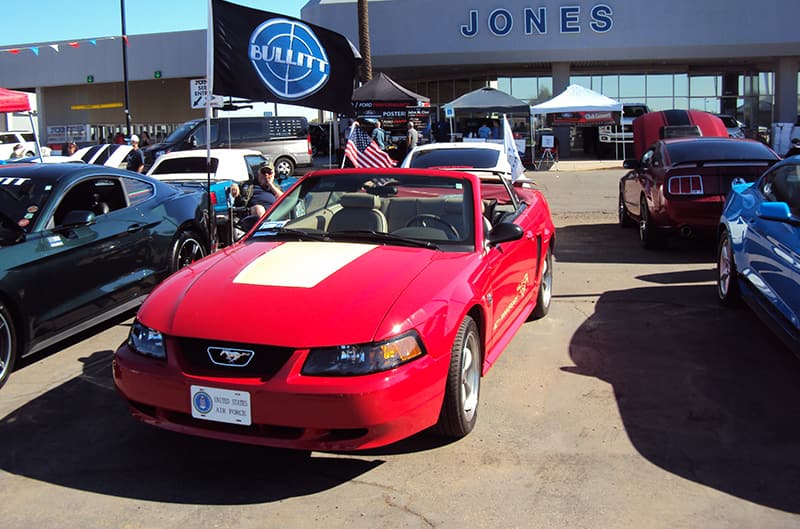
<point x="737" y="192"/>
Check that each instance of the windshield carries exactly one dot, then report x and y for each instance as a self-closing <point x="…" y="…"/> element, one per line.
<point x="179" y="134"/>
<point x="467" y="157"/>
<point x="22" y="199"/>
<point x="357" y="206"/>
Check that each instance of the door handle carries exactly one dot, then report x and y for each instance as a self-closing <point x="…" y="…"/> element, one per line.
<point x="133" y="228"/>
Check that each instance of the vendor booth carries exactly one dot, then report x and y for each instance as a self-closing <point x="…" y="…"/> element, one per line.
<point x="489" y="102"/>
<point x="581" y="107"/>
<point x="394" y="105"/>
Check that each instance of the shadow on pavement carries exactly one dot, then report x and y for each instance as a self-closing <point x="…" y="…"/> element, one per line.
<point x="80" y="435"/>
<point x="608" y="243"/>
<point x="715" y="404"/>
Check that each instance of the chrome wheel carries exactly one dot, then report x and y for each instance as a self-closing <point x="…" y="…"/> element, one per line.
<point x="727" y="288"/>
<point x="462" y="388"/>
<point x="470" y="376"/>
<point x="7" y="345"/>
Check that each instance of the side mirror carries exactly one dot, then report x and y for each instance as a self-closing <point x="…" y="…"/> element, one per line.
<point x="631" y="163"/>
<point x="503" y="232"/>
<point x="777" y="211"/>
<point x="79" y="217"/>
<point x="191" y="140"/>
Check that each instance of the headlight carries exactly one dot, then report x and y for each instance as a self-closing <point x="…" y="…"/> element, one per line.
<point x="348" y="360"/>
<point x="146" y="341"/>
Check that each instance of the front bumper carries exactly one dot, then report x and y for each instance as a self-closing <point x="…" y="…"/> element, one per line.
<point x="290" y="410"/>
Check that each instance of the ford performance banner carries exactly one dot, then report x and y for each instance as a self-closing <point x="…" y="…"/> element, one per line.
<point x="264" y="56"/>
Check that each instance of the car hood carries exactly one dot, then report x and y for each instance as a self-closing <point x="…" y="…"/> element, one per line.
<point x="292" y="294"/>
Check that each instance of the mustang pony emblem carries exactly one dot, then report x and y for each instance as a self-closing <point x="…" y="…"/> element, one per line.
<point x="224" y="356"/>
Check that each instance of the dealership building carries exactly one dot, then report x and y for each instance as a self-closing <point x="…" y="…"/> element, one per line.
<point x="723" y="56"/>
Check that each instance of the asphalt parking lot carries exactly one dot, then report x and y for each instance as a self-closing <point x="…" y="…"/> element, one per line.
<point x="636" y="403"/>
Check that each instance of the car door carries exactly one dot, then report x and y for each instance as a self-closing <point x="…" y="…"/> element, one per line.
<point x="512" y="268"/>
<point x="637" y="181"/>
<point x="773" y="246"/>
<point x="91" y="269"/>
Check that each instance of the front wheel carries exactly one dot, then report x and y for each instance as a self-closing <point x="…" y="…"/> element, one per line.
<point x="462" y="390"/>
<point x="284" y="167"/>
<point x="187" y="248"/>
<point x="8" y="344"/>
<point x="545" y="294"/>
<point x="727" y="285"/>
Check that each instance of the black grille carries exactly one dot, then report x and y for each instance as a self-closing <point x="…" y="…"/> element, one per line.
<point x="193" y="357"/>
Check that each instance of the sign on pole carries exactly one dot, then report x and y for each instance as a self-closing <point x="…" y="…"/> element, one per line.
<point x="449" y="112"/>
<point x="198" y="93"/>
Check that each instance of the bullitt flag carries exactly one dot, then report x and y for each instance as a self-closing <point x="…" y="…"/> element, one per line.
<point x="512" y="154"/>
<point x="263" y="56"/>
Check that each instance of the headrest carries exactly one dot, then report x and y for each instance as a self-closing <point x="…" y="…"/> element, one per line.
<point x="360" y="200"/>
<point x="453" y="205"/>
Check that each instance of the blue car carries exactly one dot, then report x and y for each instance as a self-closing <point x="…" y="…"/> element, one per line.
<point x="758" y="259"/>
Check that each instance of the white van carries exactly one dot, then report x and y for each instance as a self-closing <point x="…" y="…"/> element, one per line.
<point x="284" y="139"/>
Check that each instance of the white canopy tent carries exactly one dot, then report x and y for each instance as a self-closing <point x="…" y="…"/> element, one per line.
<point x="576" y="98"/>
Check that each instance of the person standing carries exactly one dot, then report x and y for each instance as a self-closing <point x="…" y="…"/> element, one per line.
<point x="379" y="135"/>
<point x="794" y="149"/>
<point x="135" y="159"/>
<point x="144" y="141"/>
<point x="484" y="131"/>
<point x="413" y="136"/>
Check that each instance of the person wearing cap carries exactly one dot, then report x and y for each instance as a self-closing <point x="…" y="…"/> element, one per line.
<point x="265" y="192"/>
<point x="18" y="152"/>
<point x="135" y="159"/>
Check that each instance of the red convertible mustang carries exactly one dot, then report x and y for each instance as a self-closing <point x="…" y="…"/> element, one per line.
<point x="402" y="287"/>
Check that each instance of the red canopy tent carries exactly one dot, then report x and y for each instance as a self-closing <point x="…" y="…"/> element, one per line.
<point x="13" y="101"/>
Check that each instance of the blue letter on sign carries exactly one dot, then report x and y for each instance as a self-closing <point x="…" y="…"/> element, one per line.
<point x="500" y="22"/>
<point x="471" y="29"/>
<point x="601" y="18"/>
<point x="569" y="19"/>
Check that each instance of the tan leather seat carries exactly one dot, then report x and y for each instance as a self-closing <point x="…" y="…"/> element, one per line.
<point x="360" y="211"/>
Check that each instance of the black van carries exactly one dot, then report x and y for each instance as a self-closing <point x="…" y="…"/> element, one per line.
<point x="284" y="139"/>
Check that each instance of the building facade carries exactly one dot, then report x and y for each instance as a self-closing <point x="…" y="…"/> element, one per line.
<point x="724" y="56"/>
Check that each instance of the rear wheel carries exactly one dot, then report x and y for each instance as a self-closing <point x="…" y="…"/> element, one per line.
<point x="545" y="294"/>
<point x="284" y="166"/>
<point x="727" y="285"/>
<point x="460" y="407"/>
<point x="187" y="248"/>
<point x="625" y="221"/>
<point x="8" y="344"/>
<point x="647" y="233"/>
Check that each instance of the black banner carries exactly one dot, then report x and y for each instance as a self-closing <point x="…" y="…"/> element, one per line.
<point x="263" y="56"/>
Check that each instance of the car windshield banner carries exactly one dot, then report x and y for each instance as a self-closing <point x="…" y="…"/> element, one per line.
<point x="265" y="56"/>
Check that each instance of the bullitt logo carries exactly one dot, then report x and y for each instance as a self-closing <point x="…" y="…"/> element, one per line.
<point x="289" y="58"/>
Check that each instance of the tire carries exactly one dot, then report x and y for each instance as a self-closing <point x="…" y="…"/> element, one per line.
<point x="545" y="294"/>
<point x="187" y="248"/>
<point x="8" y="344"/>
<point x="625" y="220"/>
<point x="462" y="390"/>
<point x="727" y="276"/>
<point x="650" y="239"/>
<point x="284" y="166"/>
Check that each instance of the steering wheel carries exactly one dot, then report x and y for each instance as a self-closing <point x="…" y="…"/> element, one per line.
<point x="426" y="220"/>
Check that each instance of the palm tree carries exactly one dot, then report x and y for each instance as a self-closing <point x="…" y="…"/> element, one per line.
<point x="363" y="41"/>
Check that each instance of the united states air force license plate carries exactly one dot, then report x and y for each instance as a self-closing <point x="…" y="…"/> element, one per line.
<point x="221" y="405"/>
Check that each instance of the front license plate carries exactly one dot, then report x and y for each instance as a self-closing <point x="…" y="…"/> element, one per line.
<point x="221" y="405"/>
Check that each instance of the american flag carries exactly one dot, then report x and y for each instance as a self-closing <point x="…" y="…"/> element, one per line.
<point x="363" y="151"/>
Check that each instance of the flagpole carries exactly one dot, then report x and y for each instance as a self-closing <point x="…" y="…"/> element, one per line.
<point x="212" y="221"/>
<point x="125" y="68"/>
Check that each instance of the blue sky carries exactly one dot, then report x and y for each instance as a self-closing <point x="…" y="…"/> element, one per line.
<point x="55" y="21"/>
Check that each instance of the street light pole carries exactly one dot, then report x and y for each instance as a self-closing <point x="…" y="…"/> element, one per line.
<point x="125" y="68"/>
